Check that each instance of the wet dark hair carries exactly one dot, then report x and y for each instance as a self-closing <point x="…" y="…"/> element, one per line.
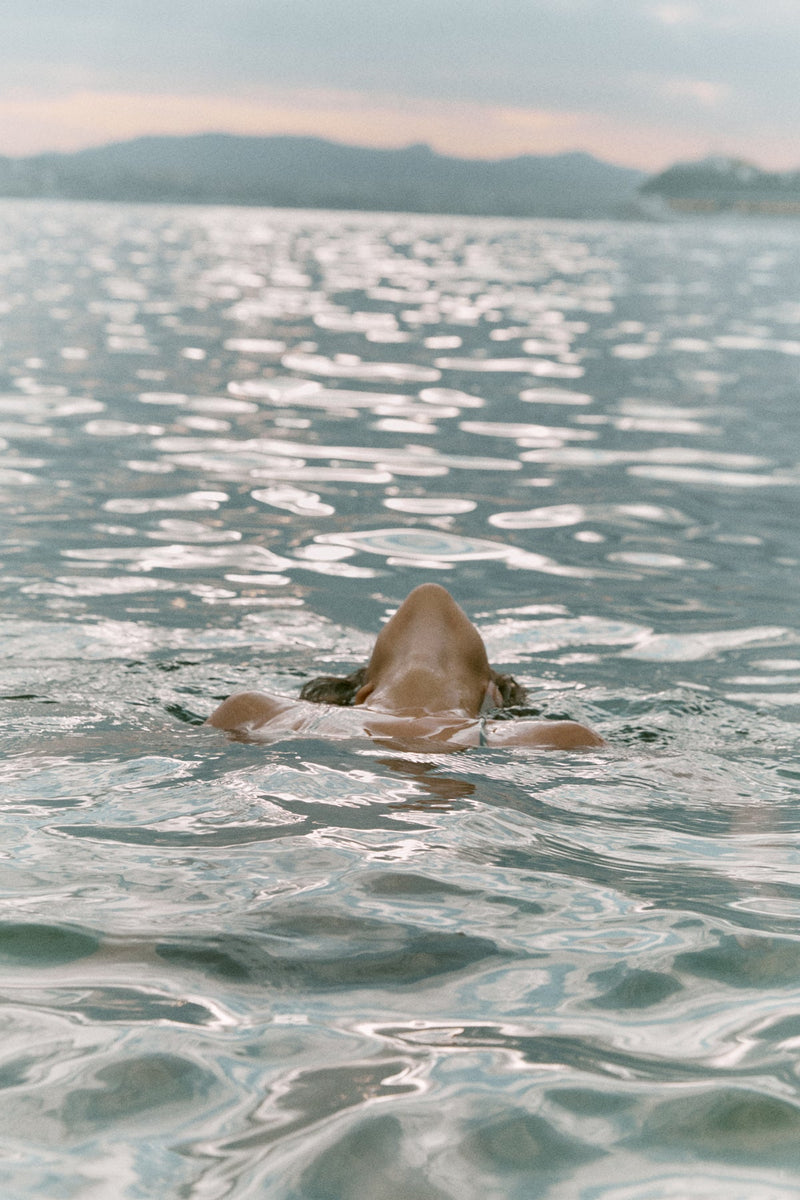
<point x="334" y="689"/>
<point x="342" y="689"/>
<point x="511" y="692"/>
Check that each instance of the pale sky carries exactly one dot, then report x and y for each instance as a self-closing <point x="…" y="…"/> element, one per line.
<point x="637" y="82"/>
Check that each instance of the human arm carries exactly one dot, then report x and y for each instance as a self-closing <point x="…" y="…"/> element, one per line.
<point x="248" y="710"/>
<point x="549" y="735"/>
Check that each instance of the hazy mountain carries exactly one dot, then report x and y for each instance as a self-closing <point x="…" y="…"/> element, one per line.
<point x="718" y="185"/>
<point x="311" y="172"/>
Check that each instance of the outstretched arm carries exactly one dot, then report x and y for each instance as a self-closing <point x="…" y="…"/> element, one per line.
<point x="550" y="735"/>
<point x="248" y="710"/>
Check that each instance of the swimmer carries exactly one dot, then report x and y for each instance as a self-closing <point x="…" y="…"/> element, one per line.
<point x="428" y="685"/>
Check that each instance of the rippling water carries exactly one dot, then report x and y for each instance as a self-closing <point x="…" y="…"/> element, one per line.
<point x="232" y="441"/>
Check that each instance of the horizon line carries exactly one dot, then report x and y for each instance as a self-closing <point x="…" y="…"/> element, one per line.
<point x="389" y="148"/>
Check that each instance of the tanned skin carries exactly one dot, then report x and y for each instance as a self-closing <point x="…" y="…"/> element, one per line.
<point x="426" y="683"/>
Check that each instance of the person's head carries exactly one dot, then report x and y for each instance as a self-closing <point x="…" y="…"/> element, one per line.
<point x="428" y="658"/>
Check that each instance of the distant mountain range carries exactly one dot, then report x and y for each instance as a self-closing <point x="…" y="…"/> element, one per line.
<point x="314" y="173"/>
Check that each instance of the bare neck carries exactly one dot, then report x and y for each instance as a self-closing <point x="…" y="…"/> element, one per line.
<point x="419" y="689"/>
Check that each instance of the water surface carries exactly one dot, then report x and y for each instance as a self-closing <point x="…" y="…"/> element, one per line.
<point x="232" y="441"/>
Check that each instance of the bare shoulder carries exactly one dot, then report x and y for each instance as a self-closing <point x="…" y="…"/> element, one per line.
<point x="248" y="710"/>
<point x="550" y="735"/>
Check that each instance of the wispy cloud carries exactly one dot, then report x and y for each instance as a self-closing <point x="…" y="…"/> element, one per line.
<point x="701" y="91"/>
<point x="30" y="124"/>
<point x="676" y="14"/>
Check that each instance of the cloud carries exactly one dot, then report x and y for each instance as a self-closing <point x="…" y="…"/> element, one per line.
<point x="30" y="124"/>
<point x="676" y="14"/>
<point x="701" y="91"/>
<point x="725" y="15"/>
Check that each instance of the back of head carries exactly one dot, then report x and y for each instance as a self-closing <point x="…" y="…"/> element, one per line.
<point x="429" y="624"/>
<point x="429" y="656"/>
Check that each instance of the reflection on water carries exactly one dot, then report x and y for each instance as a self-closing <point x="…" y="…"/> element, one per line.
<point x="230" y="443"/>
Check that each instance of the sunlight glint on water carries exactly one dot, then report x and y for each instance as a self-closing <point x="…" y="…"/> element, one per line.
<point x="232" y="441"/>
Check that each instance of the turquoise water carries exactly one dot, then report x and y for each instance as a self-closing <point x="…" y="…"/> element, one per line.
<point x="233" y="440"/>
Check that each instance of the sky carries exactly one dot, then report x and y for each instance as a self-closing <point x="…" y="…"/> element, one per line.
<point x="642" y="83"/>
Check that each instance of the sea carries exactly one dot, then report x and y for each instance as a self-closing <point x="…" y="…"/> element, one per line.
<point x="233" y="440"/>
